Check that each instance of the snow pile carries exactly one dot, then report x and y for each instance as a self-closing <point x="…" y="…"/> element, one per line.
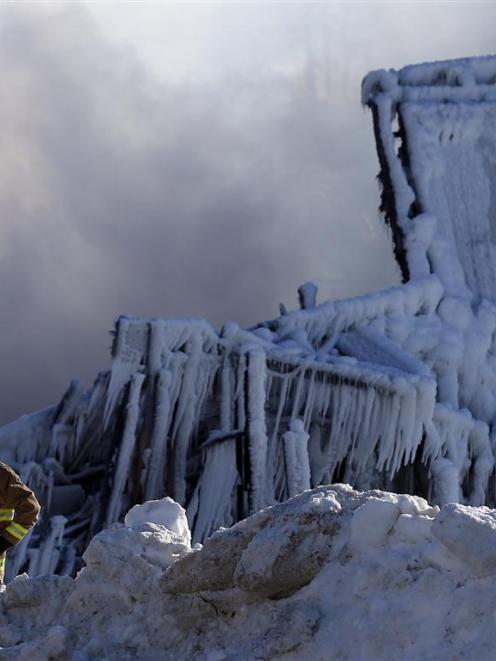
<point x="331" y="573"/>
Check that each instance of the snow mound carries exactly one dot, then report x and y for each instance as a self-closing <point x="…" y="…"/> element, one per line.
<point x="331" y="573"/>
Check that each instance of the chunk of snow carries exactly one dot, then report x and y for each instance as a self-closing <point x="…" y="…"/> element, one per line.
<point x="371" y="523"/>
<point x="165" y="512"/>
<point x="470" y="534"/>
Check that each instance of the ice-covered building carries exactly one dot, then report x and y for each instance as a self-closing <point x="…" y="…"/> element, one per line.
<point x="395" y="389"/>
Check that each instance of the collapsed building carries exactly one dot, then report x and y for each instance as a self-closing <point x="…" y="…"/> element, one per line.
<point x="392" y="390"/>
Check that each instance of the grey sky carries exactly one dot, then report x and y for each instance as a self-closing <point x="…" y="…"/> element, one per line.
<point x="189" y="160"/>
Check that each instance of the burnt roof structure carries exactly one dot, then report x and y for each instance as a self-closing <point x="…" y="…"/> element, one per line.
<point x="396" y="389"/>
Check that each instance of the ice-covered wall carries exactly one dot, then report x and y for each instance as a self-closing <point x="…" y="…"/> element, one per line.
<point x="435" y="131"/>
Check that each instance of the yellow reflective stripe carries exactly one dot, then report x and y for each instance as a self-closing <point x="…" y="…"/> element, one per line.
<point x="16" y="530"/>
<point x="6" y="514"/>
<point x="13" y="532"/>
<point x="17" y="526"/>
<point x="6" y="510"/>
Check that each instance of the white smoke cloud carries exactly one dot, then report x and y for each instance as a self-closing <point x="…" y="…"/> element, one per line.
<point x="203" y="160"/>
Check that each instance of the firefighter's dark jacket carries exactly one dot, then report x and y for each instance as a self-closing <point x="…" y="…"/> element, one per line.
<point x="19" y="508"/>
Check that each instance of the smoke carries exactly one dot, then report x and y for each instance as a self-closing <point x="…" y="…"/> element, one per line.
<point x="211" y="181"/>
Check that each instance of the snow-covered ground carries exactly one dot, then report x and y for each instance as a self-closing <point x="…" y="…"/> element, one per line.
<point x="330" y="574"/>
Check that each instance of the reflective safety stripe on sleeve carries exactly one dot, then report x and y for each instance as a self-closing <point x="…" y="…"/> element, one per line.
<point x="6" y="514"/>
<point x="16" y="530"/>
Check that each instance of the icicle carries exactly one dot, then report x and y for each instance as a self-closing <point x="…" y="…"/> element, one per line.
<point x="16" y="558"/>
<point x="126" y="361"/>
<point x="319" y="460"/>
<point x="154" y="485"/>
<point x="257" y="434"/>
<point x="296" y="454"/>
<point x="482" y="463"/>
<point x="446" y="481"/>
<point x="211" y="505"/>
<point x="390" y="422"/>
<point x="356" y="449"/>
<point x="326" y="400"/>
<point x="277" y="422"/>
<point x="310" y="400"/>
<point x="32" y="555"/>
<point x="205" y="386"/>
<point x="426" y="401"/>
<point x="273" y="450"/>
<point x="433" y="442"/>
<point x="341" y="419"/>
<point x="298" y="394"/>
<point x="454" y="428"/>
<point x="156" y="344"/>
<point x="70" y="557"/>
<point x="49" y="552"/>
<point x="405" y="442"/>
<point x="175" y="363"/>
<point x="291" y="462"/>
<point x="187" y="410"/>
<point x="126" y="449"/>
<point x="366" y="433"/>
<point x="226" y="399"/>
<point x="240" y="391"/>
<point x="61" y="435"/>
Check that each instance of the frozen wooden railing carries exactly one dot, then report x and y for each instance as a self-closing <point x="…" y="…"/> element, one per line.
<point x="202" y="417"/>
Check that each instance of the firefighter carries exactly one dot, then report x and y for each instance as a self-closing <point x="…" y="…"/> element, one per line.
<point x="19" y="511"/>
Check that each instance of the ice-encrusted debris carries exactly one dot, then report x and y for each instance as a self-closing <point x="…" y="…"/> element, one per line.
<point x="332" y="573"/>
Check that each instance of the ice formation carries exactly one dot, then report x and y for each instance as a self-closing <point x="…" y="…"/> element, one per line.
<point x="329" y="574"/>
<point x="394" y="389"/>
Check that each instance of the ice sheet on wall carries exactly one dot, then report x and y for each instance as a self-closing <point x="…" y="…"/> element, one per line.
<point x="452" y="161"/>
